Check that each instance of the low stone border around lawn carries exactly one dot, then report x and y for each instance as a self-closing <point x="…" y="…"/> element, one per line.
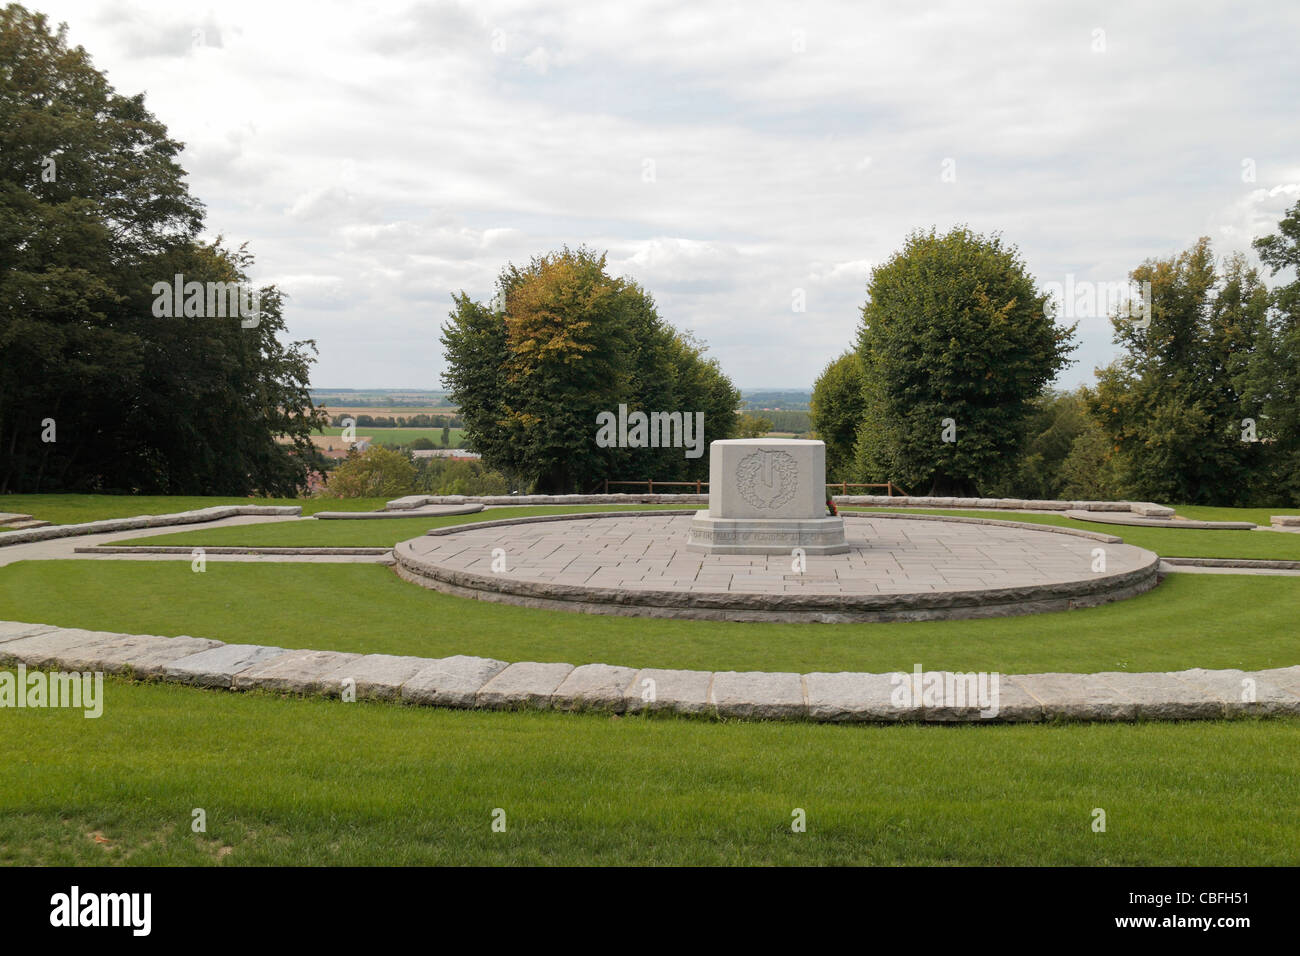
<point x="1138" y="521"/>
<point x="427" y="511"/>
<point x="1267" y="564"/>
<point x="1143" y="508"/>
<point x="477" y="682"/>
<point x="215" y="513"/>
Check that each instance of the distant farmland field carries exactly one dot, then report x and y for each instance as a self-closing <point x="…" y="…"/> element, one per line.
<point x="400" y="436"/>
<point x="389" y="411"/>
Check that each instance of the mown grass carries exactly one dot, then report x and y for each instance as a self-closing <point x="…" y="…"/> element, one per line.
<point x="303" y="781"/>
<point x="1166" y="542"/>
<point x="1260" y="516"/>
<point x="1217" y="621"/>
<point x="74" y="509"/>
<point x="355" y="533"/>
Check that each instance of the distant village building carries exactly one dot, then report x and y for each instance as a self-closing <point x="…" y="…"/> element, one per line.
<point x="455" y="454"/>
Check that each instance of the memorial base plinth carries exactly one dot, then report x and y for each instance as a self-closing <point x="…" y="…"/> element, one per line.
<point x="766" y="535"/>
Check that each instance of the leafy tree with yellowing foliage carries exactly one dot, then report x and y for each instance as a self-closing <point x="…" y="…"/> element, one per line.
<point x="562" y="342"/>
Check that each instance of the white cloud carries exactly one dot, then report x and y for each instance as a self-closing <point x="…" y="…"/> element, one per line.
<point x="406" y="153"/>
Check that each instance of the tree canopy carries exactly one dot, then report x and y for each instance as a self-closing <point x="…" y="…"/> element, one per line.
<point x="837" y="409"/>
<point x="563" y="343"/>
<point x="96" y="392"/>
<point x="955" y="344"/>
<point x="1174" y="405"/>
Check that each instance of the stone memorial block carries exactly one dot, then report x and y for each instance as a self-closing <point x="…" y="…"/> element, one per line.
<point x="767" y="496"/>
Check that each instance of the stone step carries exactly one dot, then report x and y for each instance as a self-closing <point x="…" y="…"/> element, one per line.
<point x="1284" y="521"/>
<point x="20" y="524"/>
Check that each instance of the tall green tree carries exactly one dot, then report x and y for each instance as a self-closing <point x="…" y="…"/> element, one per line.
<point x="562" y="343"/>
<point x="1176" y="405"/>
<point x="837" y="411"/>
<point x="94" y="210"/>
<point x="1273" y="386"/>
<point x="955" y="343"/>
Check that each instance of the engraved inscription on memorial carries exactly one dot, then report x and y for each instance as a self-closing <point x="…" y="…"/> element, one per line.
<point x="767" y="479"/>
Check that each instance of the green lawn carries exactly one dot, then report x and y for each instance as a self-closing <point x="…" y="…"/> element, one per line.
<point x="1166" y="542"/>
<point x="1260" y="516"/>
<point x="74" y="509"/>
<point x="301" y="781"/>
<point x="359" y="533"/>
<point x="400" y="436"/>
<point x="1214" y="621"/>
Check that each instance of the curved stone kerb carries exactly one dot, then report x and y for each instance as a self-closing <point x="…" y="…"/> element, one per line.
<point x="1137" y="573"/>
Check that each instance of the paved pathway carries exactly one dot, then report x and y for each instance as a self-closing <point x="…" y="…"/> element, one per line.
<point x="887" y="555"/>
<point x="65" y="548"/>
<point x="476" y="682"/>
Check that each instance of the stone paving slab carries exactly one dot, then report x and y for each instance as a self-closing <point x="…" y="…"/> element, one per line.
<point x="1163" y="696"/>
<point x="526" y="684"/>
<point x="296" y="672"/>
<point x="656" y="689"/>
<point x="1284" y="678"/>
<point x="53" y="647"/>
<point x="407" y="502"/>
<point x="1077" y="696"/>
<point x="595" y="687"/>
<point x="451" y="681"/>
<point x="1241" y="692"/>
<point x="13" y="630"/>
<point x="217" y="666"/>
<point x="847" y="696"/>
<point x="758" y="694"/>
<point x="375" y="676"/>
<point x="143" y="655"/>
<point x="973" y="698"/>
<point x="461" y="681"/>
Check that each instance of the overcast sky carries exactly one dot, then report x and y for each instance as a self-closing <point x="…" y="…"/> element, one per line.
<point x="379" y="156"/>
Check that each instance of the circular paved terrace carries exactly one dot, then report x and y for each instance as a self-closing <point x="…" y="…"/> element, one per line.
<point x="912" y="568"/>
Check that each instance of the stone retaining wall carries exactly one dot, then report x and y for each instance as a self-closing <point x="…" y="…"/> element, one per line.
<point x="477" y="682"/>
